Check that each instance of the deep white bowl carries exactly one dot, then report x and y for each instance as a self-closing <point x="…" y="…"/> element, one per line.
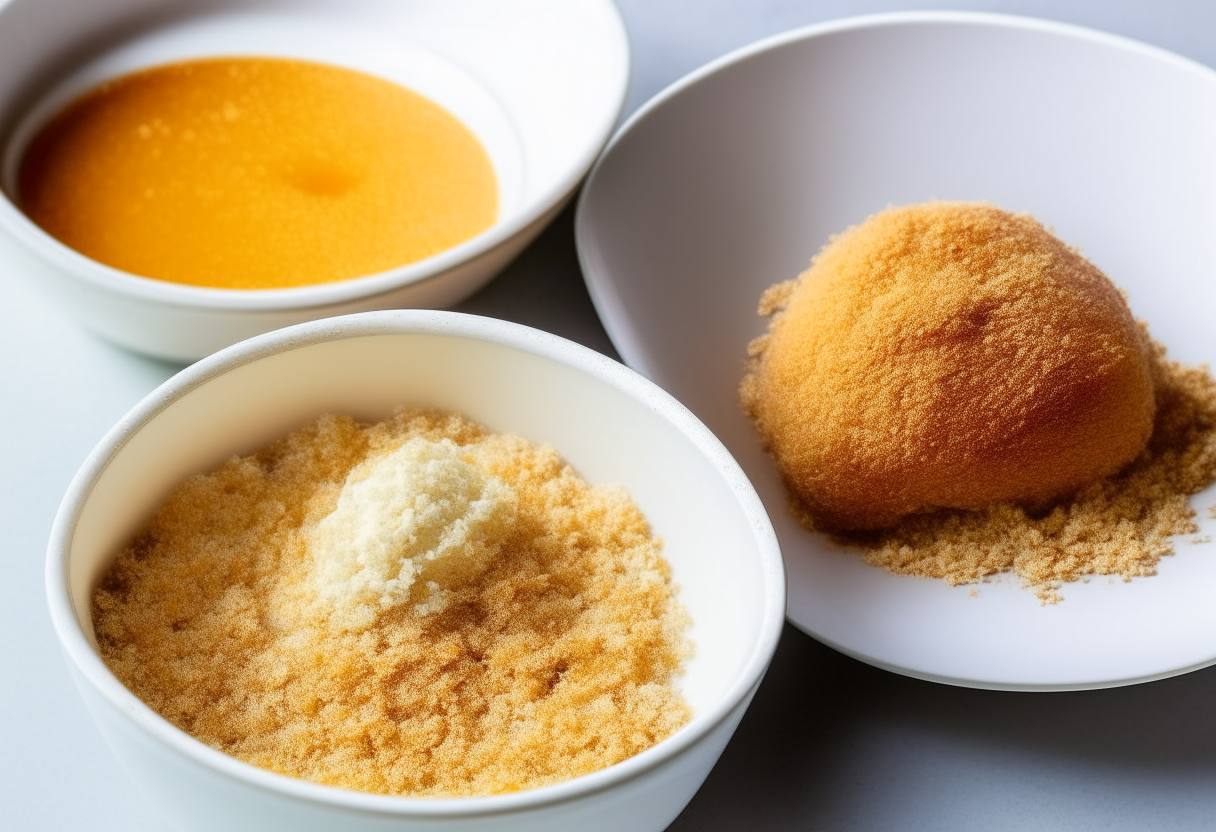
<point x="540" y="82"/>
<point x="609" y="422"/>
<point x="730" y="180"/>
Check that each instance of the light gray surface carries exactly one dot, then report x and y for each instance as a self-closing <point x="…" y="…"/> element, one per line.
<point x="829" y="743"/>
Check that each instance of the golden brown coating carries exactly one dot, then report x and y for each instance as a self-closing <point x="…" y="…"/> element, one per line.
<point x="946" y="355"/>
<point x="1119" y="526"/>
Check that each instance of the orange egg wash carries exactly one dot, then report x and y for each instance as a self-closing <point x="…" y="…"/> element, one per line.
<point x="256" y="173"/>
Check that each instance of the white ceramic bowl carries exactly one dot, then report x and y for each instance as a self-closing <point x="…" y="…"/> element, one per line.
<point x="540" y="82"/>
<point x="609" y="422"/>
<point x="731" y="179"/>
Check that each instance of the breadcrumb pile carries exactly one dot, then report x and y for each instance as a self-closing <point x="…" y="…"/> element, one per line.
<point x="408" y="524"/>
<point x="955" y="392"/>
<point x="552" y="657"/>
<point x="946" y="355"/>
<point x="1118" y="526"/>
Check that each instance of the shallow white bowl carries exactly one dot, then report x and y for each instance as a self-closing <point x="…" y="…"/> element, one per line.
<point x="540" y="82"/>
<point x="609" y="422"/>
<point x="731" y="179"/>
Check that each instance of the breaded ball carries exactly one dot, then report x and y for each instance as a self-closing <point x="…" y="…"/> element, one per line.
<point x="946" y="355"/>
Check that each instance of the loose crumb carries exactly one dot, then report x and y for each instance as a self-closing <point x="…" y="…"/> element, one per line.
<point x="1119" y="526"/>
<point x="553" y="656"/>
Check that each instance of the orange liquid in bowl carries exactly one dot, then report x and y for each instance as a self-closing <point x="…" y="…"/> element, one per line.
<point x="256" y="173"/>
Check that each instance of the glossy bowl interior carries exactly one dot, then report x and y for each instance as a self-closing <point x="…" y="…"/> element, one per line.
<point x="729" y="182"/>
<point x="607" y="421"/>
<point x="540" y="82"/>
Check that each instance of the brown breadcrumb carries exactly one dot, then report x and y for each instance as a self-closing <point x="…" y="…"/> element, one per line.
<point x="556" y="661"/>
<point x="1118" y="526"/>
<point x="946" y="355"/>
<point x="939" y="353"/>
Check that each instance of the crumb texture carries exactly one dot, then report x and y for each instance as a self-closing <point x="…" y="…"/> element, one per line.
<point x="504" y="626"/>
<point x="957" y="394"/>
<point x="418" y="517"/>
<point x="946" y="355"/>
<point x="1118" y="526"/>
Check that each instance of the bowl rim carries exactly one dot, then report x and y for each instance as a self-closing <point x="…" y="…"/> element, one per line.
<point x="620" y="326"/>
<point x="88" y="664"/>
<point x="151" y="290"/>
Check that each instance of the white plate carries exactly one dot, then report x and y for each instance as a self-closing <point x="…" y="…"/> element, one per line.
<point x="732" y="178"/>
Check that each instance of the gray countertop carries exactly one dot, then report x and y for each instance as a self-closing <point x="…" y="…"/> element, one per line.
<point x="829" y="743"/>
